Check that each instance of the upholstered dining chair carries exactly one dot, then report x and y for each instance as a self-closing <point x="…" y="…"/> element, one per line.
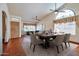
<point x="66" y="39"/>
<point x="58" y="41"/>
<point x="34" y="41"/>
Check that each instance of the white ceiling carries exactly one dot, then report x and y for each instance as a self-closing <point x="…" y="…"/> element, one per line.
<point x="29" y="10"/>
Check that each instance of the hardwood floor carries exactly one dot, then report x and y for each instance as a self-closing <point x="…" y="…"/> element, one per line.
<point x="15" y="48"/>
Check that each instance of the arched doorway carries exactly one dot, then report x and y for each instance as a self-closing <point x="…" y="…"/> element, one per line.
<point x="4" y="17"/>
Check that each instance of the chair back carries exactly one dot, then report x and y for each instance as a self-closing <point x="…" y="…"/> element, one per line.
<point x="58" y="40"/>
<point x="33" y="39"/>
<point x="67" y="37"/>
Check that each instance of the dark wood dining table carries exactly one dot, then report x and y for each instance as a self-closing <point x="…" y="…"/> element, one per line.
<point x="46" y="39"/>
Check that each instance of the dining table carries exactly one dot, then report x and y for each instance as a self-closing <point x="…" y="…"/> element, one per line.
<point x="46" y="38"/>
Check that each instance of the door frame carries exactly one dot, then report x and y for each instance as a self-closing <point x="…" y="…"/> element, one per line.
<point x="4" y="18"/>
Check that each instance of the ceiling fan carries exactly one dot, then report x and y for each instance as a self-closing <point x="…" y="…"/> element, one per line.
<point x="36" y="18"/>
<point x="57" y="10"/>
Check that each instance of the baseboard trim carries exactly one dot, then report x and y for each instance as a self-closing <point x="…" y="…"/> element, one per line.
<point x="5" y="42"/>
<point x="15" y="38"/>
<point x="74" y="42"/>
<point x="4" y="54"/>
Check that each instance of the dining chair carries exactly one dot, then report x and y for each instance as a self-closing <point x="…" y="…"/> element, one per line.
<point x="58" y="41"/>
<point x="66" y="39"/>
<point x="34" y="41"/>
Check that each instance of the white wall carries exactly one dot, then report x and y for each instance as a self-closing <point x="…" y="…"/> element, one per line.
<point x="22" y="29"/>
<point x="0" y="31"/>
<point x="3" y="7"/>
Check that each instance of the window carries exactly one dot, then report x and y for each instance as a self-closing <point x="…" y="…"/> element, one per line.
<point x="29" y="28"/>
<point x="40" y="27"/>
<point x="65" y="14"/>
<point x="69" y="27"/>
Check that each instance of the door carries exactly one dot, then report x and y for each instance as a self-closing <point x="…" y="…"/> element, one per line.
<point x="15" y="29"/>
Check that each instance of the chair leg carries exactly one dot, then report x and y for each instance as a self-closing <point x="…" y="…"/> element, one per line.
<point x="34" y="48"/>
<point x="57" y="49"/>
<point x="62" y="47"/>
<point x="30" y="45"/>
<point x="65" y="44"/>
<point x="69" y="44"/>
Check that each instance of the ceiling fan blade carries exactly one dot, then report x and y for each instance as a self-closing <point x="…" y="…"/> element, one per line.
<point x="55" y="10"/>
<point x="61" y="11"/>
<point x="36" y="17"/>
<point x="61" y="7"/>
<point x="51" y="10"/>
<point x="33" y="18"/>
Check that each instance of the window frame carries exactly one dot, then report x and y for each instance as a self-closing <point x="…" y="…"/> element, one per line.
<point x="58" y="28"/>
<point x="29" y="27"/>
<point x="60" y="17"/>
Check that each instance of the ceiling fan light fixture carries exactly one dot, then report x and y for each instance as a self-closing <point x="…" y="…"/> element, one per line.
<point x="56" y="12"/>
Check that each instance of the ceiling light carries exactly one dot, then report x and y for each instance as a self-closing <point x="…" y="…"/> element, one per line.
<point x="56" y="12"/>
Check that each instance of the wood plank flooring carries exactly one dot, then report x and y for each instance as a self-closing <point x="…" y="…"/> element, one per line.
<point x="15" y="48"/>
